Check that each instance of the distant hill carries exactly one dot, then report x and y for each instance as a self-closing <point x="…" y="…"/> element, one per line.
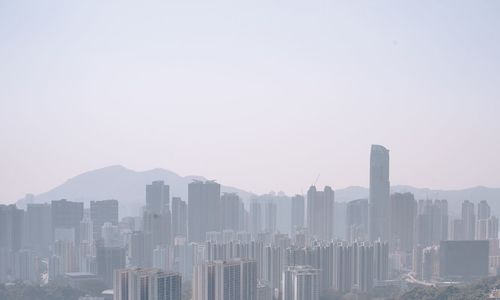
<point x="128" y="186"/>
<point x="125" y="185"/>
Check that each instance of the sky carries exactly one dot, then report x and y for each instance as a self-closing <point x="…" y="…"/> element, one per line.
<point x="261" y="95"/>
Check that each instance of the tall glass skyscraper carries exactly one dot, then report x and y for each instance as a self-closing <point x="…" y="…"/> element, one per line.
<point x="380" y="205"/>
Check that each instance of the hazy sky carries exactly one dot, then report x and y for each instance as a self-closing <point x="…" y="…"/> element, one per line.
<point x="262" y="95"/>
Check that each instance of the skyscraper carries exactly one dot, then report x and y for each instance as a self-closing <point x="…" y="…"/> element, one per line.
<point x="157" y="196"/>
<point x="483" y="210"/>
<point x="298" y="212"/>
<point x="140" y="249"/>
<point x="230" y="203"/>
<point x="357" y="220"/>
<point x="146" y="284"/>
<point x="108" y="260"/>
<point x="156" y="218"/>
<point x="404" y="211"/>
<point x="179" y="217"/>
<point x="67" y="215"/>
<point x="38" y="227"/>
<point x="320" y="211"/>
<point x="66" y="252"/>
<point x="270" y="215"/>
<point x="105" y="211"/>
<point x="204" y="209"/>
<point x="485" y="224"/>
<point x="380" y="260"/>
<point x="255" y="217"/>
<point x="432" y="222"/>
<point x="380" y="208"/>
<point x="225" y="280"/>
<point x="468" y="220"/>
<point x="492" y="228"/>
<point x="11" y="227"/>
<point x="159" y="226"/>
<point x="301" y="282"/>
<point x="457" y="230"/>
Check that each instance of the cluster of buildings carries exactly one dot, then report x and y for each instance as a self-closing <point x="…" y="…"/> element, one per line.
<point x="218" y="246"/>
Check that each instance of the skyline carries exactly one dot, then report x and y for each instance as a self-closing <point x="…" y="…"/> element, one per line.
<point x="316" y="183"/>
<point x="249" y="150"/>
<point x="262" y="96"/>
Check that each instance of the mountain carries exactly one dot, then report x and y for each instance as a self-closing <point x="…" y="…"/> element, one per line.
<point x="128" y="187"/>
<point x="125" y="185"/>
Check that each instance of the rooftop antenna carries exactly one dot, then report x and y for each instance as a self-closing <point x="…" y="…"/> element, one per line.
<point x="315" y="181"/>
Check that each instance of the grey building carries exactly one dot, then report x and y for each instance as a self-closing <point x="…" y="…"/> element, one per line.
<point x="11" y="227"/>
<point x="231" y="280"/>
<point x="230" y="204"/>
<point x="357" y="220"/>
<point x="38" y="228"/>
<point x="301" y="282"/>
<point x="404" y="211"/>
<point x="320" y="212"/>
<point x="140" y="249"/>
<point x="432" y="222"/>
<point x="108" y="260"/>
<point x="298" y="212"/>
<point x="468" y="220"/>
<point x="179" y="217"/>
<point x="147" y="284"/>
<point x="158" y="225"/>
<point x="66" y="215"/>
<point x="204" y="209"/>
<point x="255" y="217"/>
<point x="380" y="208"/>
<point x="157" y="197"/>
<point x="105" y="211"/>
<point x="463" y="260"/>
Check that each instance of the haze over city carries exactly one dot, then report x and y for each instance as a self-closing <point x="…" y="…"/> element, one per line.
<point x="263" y="150"/>
<point x="263" y="95"/>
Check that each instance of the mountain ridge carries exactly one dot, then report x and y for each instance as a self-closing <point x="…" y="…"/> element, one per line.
<point x="127" y="186"/>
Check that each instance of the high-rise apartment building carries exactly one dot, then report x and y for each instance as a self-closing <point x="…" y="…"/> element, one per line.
<point x="380" y="260"/>
<point x="66" y="215"/>
<point x="230" y="204"/>
<point x="140" y="249"/>
<point x="204" y="209"/>
<point x="486" y="225"/>
<point x="157" y="197"/>
<point x="404" y="211"/>
<point x="11" y="227"/>
<point x="225" y="280"/>
<point x="483" y="210"/>
<point x="146" y="284"/>
<point x="431" y="222"/>
<point x="270" y="215"/>
<point x="159" y="226"/>
<point x="380" y="207"/>
<point x="109" y="259"/>
<point x="357" y="220"/>
<point x="301" y="282"/>
<point x="468" y="220"/>
<point x="179" y="217"/>
<point x="320" y="212"/>
<point x="105" y="211"/>
<point x="298" y="212"/>
<point x="38" y="228"/>
<point x="255" y="217"/>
